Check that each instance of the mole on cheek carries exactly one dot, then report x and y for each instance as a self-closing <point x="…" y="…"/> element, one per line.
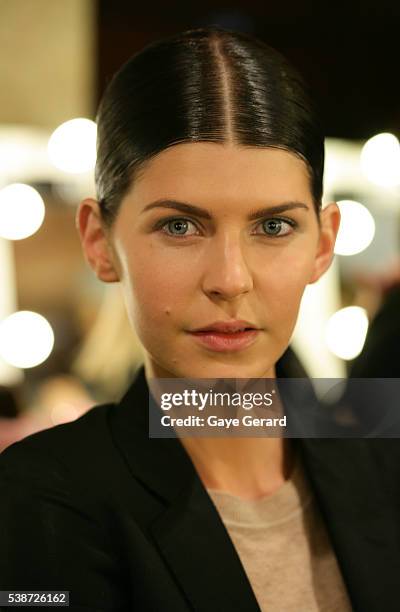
<point x="167" y="311"/>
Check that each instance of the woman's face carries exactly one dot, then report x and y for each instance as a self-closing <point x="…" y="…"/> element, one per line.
<point x="240" y="241"/>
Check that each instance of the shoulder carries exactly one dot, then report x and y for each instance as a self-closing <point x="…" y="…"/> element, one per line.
<point x="56" y="502"/>
<point x="62" y="452"/>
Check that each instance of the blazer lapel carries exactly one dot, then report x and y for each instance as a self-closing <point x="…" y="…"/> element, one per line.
<point x="188" y="533"/>
<point x="359" y="518"/>
<point x="195" y="544"/>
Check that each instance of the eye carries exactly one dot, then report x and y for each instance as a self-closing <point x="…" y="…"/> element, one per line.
<point x="177" y="226"/>
<point x="276" y="226"/>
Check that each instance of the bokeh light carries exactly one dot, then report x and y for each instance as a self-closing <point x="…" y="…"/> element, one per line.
<point x="357" y="228"/>
<point x="21" y="211"/>
<point x="72" y="146"/>
<point x="26" y="339"/>
<point x="346" y="331"/>
<point x="380" y="160"/>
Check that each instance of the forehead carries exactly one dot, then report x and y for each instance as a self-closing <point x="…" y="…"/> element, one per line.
<point x="208" y="171"/>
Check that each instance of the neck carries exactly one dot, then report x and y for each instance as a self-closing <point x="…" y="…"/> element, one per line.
<point x="246" y="467"/>
<point x="249" y="468"/>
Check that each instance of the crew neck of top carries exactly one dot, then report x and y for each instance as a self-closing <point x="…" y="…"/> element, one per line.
<point x="286" y="503"/>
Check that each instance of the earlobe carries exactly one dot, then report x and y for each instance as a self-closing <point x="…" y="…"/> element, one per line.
<point x="95" y="241"/>
<point x="329" y="227"/>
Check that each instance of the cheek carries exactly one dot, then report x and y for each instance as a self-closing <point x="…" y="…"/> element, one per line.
<point x="283" y="284"/>
<point x="156" y="291"/>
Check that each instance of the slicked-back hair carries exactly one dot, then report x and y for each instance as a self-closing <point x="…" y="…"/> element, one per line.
<point x="206" y="84"/>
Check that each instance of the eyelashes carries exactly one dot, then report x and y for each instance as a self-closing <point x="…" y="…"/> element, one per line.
<point x="182" y="221"/>
<point x="275" y="225"/>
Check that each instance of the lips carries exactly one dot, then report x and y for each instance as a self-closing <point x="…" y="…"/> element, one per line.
<point x="225" y="327"/>
<point x="227" y="336"/>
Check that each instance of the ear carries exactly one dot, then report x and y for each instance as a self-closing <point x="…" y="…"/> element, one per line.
<point x="329" y="227"/>
<point x="95" y="241"/>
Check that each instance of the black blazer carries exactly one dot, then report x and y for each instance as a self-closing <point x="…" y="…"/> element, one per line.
<point x="123" y="522"/>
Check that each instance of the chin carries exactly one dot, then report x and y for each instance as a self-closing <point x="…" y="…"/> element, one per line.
<point x="220" y="370"/>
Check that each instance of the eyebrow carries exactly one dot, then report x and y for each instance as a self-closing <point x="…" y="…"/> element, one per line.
<point x="205" y="214"/>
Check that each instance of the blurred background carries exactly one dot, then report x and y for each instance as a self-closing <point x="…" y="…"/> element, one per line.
<point x="57" y="321"/>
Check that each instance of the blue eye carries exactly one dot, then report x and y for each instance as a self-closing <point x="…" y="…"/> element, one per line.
<point x="177" y="226"/>
<point x="180" y="226"/>
<point x="274" y="226"/>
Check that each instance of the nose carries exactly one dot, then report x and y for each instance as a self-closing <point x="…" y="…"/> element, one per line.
<point x="227" y="273"/>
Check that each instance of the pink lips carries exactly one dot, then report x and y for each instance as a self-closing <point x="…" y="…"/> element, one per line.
<point x="227" y="335"/>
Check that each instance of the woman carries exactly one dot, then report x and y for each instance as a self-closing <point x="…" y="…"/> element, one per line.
<point x="208" y="212"/>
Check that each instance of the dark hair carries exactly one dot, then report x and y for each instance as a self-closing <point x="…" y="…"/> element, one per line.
<point x="207" y="84"/>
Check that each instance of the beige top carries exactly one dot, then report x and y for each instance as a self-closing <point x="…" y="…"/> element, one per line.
<point x="284" y="548"/>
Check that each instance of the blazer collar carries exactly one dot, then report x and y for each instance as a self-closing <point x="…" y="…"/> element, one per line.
<point x="193" y="540"/>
